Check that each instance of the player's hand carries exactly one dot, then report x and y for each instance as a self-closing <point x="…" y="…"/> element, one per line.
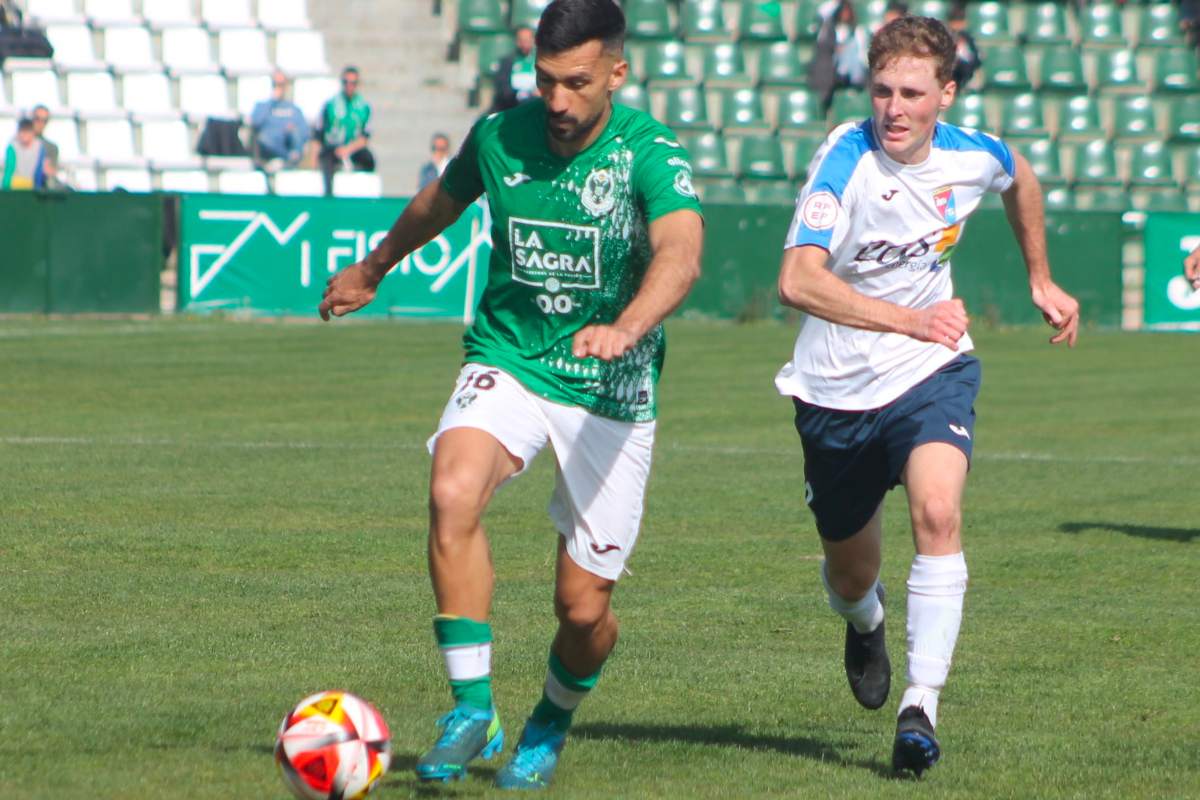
<point x="1191" y="268"/>
<point x="347" y="291"/>
<point x="1060" y="310"/>
<point x="942" y="323"/>
<point x="605" y="342"/>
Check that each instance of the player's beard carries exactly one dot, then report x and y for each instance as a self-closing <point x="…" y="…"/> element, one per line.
<point x="572" y="130"/>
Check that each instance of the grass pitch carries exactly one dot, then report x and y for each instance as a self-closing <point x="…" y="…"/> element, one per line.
<point x="204" y="521"/>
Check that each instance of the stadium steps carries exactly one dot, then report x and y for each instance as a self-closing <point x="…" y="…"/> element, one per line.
<point x="413" y="90"/>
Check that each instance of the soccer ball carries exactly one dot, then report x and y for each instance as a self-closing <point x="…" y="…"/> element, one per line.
<point x="333" y="745"/>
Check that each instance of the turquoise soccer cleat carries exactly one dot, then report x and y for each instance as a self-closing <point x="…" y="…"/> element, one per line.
<point x="467" y="734"/>
<point x="532" y="765"/>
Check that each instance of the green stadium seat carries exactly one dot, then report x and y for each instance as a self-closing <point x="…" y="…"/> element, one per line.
<point x="703" y="21"/>
<point x="988" y="23"/>
<point x="489" y="50"/>
<point x="761" y="21"/>
<point x="806" y="21"/>
<point x="1150" y="165"/>
<point x="849" y="106"/>
<point x="1101" y="25"/>
<point x="1101" y="199"/>
<point x="1133" y="118"/>
<point x="1158" y="26"/>
<point x="1094" y="164"/>
<point x="801" y="151"/>
<point x="780" y="64"/>
<point x="481" y="17"/>
<point x="686" y="109"/>
<point x="1042" y="155"/>
<point x="666" y="65"/>
<point x="647" y="19"/>
<point x="526" y="13"/>
<point x="967" y="112"/>
<point x="1045" y="23"/>
<point x="1160" y="199"/>
<point x="1062" y="70"/>
<point x="1116" y="71"/>
<point x="1184" y="118"/>
<point x="1059" y="198"/>
<point x="634" y="95"/>
<point x="1021" y="115"/>
<point x="721" y="192"/>
<point x="1079" y="118"/>
<point x="761" y="158"/>
<point x="800" y="113"/>
<point x="938" y="9"/>
<point x="742" y="111"/>
<point x="774" y="193"/>
<point x="1004" y="69"/>
<point x="708" y="153"/>
<point x="871" y="13"/>
<point x="1191" y="168"/>
<point x="724" y="64"/>
<point x="1175" y="71"/>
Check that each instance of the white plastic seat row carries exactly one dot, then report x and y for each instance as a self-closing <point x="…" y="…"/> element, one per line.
<point x="273" y="15"/>
<point x="249" y="182"/>
<point x="188" y="49"/>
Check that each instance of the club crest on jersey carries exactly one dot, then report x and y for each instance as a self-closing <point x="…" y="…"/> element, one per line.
<point x="683" y="183"/>
<point x="599" y="192"/>
<point x="943" y="201"/>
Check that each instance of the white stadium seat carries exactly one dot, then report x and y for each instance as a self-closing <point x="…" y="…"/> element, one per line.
<point x="299" y="183"/>
<point x="92" y="94"/>
<point x="357" y="184"/>
<point x="241" y="182"/>
<point x="166" y="143"/>
<point x="203" y="96"/>
<point x="243" y="51"/>
<point x="36" y="87"/>
<point x="81" y="179"/>
<point x="129" y="49"/>
<point x="110" y="12"/>
<point x="184" y="180"/>
<point x="8" y="128"/>
<point x="64" y="132"/>
<point x="252" y="89"/>
<point x="110" y="142"/>
<point x="72" y="46"/>
<point x="301" y="53"/>
<point x="48" y="12"/>
<point x="129" y="179"/>
<point x="311" y="93"/>
<point x="5" y="106"/>
<point x="187" y="50"/>
<point x="280" y="15"/>
<point x="218" y="14"/>
<point x="162" y="14"/>
<point x="147" y="94"/>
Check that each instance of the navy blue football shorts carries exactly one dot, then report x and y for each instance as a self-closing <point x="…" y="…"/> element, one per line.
<point x="853" y="458"/>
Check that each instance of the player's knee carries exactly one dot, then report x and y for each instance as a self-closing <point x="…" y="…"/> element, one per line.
<point x="937" y="519"/>
<point x="852" y="582"/>
<point x="453" y="495"/>
<point x="582" y="613"/>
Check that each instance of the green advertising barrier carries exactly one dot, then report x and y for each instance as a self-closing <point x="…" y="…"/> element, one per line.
<point x="71" y="253"/>
<point x="272" y="256"/>
<point x="1169" y="300"/>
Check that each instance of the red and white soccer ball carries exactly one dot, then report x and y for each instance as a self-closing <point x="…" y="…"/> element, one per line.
<point x="333" y="745"/>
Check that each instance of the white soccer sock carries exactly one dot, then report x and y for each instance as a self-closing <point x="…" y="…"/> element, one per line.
<point x="469" y="661"/>
<point x="936" y="585"/>
<point x="865" y="614"/>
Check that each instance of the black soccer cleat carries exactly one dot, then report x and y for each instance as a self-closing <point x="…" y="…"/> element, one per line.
<point x="867" y="666"/>
<point x="916" y="748"/>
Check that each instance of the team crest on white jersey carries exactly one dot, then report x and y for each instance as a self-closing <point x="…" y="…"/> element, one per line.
<point x="599" y="192"/>
<point x="820" y="211"/>
<point x="943" y="201"/>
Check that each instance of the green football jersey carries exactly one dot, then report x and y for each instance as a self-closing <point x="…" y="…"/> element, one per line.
<point x="570" y="247"/>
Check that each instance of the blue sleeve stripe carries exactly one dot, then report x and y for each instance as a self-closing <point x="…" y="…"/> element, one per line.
<point x="832" y="175"/>
<point x="952" y="137"/>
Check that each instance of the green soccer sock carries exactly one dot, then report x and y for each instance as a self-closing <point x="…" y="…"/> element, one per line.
<point x="466" y="646"/>
<point x="562" y="695"/>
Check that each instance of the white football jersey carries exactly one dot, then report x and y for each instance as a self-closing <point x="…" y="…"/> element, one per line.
<point x="890" y="229"/>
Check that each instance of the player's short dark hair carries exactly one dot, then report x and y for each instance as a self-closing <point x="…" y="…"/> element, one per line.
<point x="566" y="24"/>
<point x="915" y="37"/>
<point x="26" y="124"/>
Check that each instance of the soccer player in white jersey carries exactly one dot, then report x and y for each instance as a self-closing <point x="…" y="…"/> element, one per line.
<point x="880" y="376"/>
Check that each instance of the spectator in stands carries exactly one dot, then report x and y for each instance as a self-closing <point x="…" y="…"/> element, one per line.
<point x="41" y="118"/>
<point x="840" y="57"/>
<point x="24" y="160"/>
<point x="439" y="157"/>
<point x="968" y="60"/>
<point x="278" y="127"/>
<point x="893" y="11"/>
<point x="10" y="14"/>
<point x="515" y="82"/>
<point x="1189" y="21"/>
<point x="343" y="133"/>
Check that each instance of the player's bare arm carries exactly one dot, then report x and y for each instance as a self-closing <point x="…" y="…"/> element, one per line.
<point x="1191" y="268"/>
<point x="806" y="283"/>
<point x="676" y="241"/>
<point x="1023" y="207"/>
<point x="429" y="213"/>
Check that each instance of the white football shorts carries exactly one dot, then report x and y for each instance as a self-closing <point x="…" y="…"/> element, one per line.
<point x="602" y="463"/>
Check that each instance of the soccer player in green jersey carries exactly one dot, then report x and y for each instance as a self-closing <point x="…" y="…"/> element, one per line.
<point x="596" y="238"/>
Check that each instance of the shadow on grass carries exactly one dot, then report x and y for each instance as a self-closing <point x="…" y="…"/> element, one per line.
<point x="1142" y="531"/>
<point x="728" y="736"/>
<point x="401" y="780"/>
